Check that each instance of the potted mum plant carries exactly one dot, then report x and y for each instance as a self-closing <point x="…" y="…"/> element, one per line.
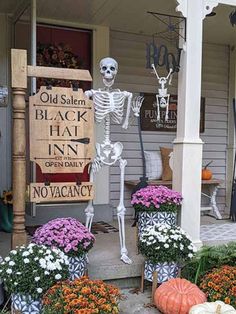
<point x="70" y="236"/>
<point x="81" y="296"/>
<point x="165" y="248"/>
<point x="156" y="204"/>
<point x="219" y="284"/>
<point x="29" y="271"/>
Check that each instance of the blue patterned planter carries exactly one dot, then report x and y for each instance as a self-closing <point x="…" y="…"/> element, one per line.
<point x="165" y="271"/>
<point x="25" y="304"/>
<point x="148" y="219"/>
<point x="77" y="266"/>
<point x="1" y="287"/>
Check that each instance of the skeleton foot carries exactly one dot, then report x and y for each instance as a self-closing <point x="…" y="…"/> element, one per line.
<point x="125" y="258"/>
<point x="89" y="211"/>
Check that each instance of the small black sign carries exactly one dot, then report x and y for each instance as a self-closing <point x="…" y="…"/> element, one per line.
<point x="149" y="115"/>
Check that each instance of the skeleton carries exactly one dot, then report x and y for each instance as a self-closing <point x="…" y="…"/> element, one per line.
<point x="109" y="105"/>
<point x="163" y="98"/>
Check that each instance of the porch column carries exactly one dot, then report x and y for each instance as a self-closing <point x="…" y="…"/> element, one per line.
<point x="19" y="87"/>
<point x="188" y="145"/>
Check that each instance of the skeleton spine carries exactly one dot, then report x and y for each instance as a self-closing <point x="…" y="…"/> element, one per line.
<point x="107" y="129"/>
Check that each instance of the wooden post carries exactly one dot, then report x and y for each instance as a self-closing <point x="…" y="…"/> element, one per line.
<point x="19" y="86"/>
<point x="142" y="279"/>
<point x="154" y="284"/>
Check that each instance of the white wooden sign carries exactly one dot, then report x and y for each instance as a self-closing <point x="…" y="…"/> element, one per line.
<point x="61" y="192"/>
<point x="61" y="130"/>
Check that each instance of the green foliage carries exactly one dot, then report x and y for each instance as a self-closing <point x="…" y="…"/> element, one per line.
<point x="207" y="258"/>
<point x="170" y="208"/>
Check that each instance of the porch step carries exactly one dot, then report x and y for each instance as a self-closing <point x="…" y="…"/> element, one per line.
<point x="105" y="263"/>
<point x="115" y="269"/>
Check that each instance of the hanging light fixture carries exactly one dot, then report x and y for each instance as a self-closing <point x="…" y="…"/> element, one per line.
<point x="232" y="17"/>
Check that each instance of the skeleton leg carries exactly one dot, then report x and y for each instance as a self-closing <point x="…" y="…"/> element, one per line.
<point x="121" y="215"/>
<point x="158" y="109"/>
<point x="167" y="107"/>
<point x="89" y="210"/>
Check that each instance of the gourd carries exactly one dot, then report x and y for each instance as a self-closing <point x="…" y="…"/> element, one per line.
<point x="217" y="307"/>
<point x="207" y="173"/>
<point x="177" y="296"/>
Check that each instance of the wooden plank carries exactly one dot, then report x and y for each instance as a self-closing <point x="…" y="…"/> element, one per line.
<point x="169" y="183"/>
<point x="61" y="130"/>
<point x="18" y="68"/>
<point x="61" y="192"/>
<point x="59" y="73"/>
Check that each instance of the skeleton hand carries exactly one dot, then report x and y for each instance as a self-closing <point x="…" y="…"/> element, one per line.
<point x="88" y="93"/>
<point x="136" y="105"/>
<point x="125" y="124"/>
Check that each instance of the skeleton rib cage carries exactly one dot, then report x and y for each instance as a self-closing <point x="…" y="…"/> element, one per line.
<point x="111" y="103"/>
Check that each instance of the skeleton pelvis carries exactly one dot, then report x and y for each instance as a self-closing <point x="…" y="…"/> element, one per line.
<point x="109" y="153"/>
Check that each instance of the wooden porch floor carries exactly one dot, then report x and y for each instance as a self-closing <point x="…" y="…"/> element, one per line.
<point x="105" y="258"/>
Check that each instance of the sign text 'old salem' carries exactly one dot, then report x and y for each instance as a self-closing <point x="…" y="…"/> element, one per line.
<point x="61" y="130"/>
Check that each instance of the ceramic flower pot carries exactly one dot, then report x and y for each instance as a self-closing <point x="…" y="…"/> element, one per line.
<point x="148" y="219"/>
<point x="165" y="271"/>
<point x="77" y="266"/>
<point x="25" y="304"/>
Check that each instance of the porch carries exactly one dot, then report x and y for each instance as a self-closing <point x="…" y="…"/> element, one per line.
<point x="126" y="42"/>
<point x="104" y="258"/>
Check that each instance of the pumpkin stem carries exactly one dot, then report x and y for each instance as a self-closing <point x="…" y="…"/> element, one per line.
<point x="218" y="309"/>
<point x="208" y="164"/>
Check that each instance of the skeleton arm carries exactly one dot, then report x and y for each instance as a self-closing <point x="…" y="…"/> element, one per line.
<point x="88" y="93"/>
<point x="126" y="122"/>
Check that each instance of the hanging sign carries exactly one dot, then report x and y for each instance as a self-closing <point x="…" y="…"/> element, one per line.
<point x="160" y="56"/>
<point x="148" y="115"/>
<point x="61" y="130"/>
<point x="61" y="192"/>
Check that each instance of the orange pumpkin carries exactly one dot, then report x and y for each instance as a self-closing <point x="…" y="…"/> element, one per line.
<point x="177" y="296"/>
<point x="206" y="173"/>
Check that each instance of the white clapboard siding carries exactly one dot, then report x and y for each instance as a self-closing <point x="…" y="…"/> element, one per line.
<point x="129" y="51"/>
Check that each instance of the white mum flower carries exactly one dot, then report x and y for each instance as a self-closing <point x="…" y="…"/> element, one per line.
<point x="190" y="255"/>
<point x="26" y="253"/>
<point x="166" y="245"/>
<point x="39" y="290"/>
<point x="46" y="272"/>
<point x="58" y="276"/>
<point x="37" y="278"/>
<point x="9" y="271"/>
<point x="194" y="248"/>
<point x="42" y="263"/>
<point x="7" y="259"/>
<point x="26" y="260"/>
<point x="13" y="252"/>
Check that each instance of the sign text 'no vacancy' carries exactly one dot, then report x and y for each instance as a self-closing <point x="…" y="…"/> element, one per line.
<point x="61" y="192"/>
<point x="61" y="130"/>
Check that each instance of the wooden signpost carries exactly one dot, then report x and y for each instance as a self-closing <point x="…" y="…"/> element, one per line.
<point x="61" y="137"/>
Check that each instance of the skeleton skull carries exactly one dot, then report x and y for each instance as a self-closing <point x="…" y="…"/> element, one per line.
<point x="108" y="69"/>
